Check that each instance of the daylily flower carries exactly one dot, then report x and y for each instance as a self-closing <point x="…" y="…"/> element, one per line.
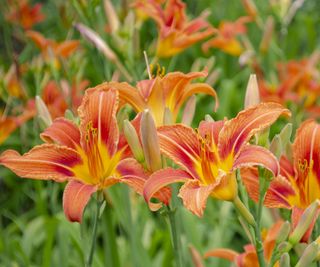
<point x="298" y="184"/>
<point x="226" y="36"/>
<point x="51" y="48"/>
<point x="249" y="257"/>
<point x="298" y="82"/>
<point x="56" y="99"/>
<point x="210" y="157"/>
<point x="165" y="93"/>
<point x="22" y="13"/>
<point x="87" y="156"/>
<point x="176" y="33"/>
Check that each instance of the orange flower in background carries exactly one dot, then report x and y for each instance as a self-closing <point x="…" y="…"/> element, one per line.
<point x="226" y="37"/>
<point x="59" y="99"/>
<point x="165" y="93"/>
<point x="176" y="33"/>
<point x="249" y="258"/>
<point x="210" y="157"/>
<point x="23" y="14"/>
<point x="298" y="82"/>
<point x="87" y="156"/>
<point x="299" y="182"/>
<point x="51" y="48"/>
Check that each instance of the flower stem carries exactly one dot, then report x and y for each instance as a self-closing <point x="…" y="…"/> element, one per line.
<point x="175" y="236"/>
<point x="95" y="229"/>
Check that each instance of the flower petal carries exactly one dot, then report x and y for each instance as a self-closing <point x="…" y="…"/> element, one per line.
<point x="306" y="157"/>
<point x="44" y="162"/>
<point x="194" y="196"/>
<point x="159" y="180"/>
<point x="76" y="196"/>
<point x="134" y="176"/>
<point x="62" y="132"/>
<point x="280" y="193"/>
<point x="67" y="47"/>
<point x="223" y="253"/>
<point x="251" y="155"/>
<point x="180" y="143"/>
<point x="210" y="130"/>
<point x="237" y="132"/>
<point x="98" y="111"/>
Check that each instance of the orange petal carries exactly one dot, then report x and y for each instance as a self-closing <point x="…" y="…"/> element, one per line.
<point x="161" y="179"/>
<point x="75" y="198"/>
<point x="62" y="132"/>
<point x="222" y="253"/>
<point x="194" y="196"/>
<point x="251" y="155"/>
<point x="98" y="112"/>
<point x="210" y="130"/>
<point x="306" y="158"/>
<point x="67" y="47"/>
<point x="238" y="131"/>
<point x="133" y="174"/>
<point x="180" y="143"/>
<point x="280" y="193"/>
<point x="44" y="162"/>
<point x="7" y="126"/>
<point x="38" y="39"/>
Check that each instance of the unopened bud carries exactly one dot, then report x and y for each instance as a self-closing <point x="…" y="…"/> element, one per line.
<point x="111" y="15"/>
<point x="250" y="8"/>
<point x="304" y="223"/>
<point x="133" y="140"/>
<point x="196" y="257"/>
<point x="150" y="143"/>
<point x="276" y="146"/>
<point x="308" y="256"/>
<point x="43" y="112"/>
<point x="97" y="41"/>
<point x="167" y="117"/>
<point x="285" y="134"/>
<point x="284" y="260"/>
<point x="252" y="93"/>
<point x="283" y="232"/>
<point x="284" y="247"/>
<point x="267" y="35"/>
<point x="208" y="118"/>
<point x="189" y="110"/>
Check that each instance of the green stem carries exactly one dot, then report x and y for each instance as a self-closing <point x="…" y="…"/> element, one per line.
<point x="94" y="233"/>
<point x="175" y="237"/>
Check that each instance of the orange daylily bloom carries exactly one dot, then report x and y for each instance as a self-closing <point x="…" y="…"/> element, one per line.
<point x="210" y="157"/>
<point x="226" y="37"/>
<point x="298" y="184"/>
<point x="56" y="99"/>
<point x="168" y="92"/>
<point x="298" y="82"/>
<point x="176" y="33"/>
<point x="8" y="124"/>
<point x="249" y="258"/>
<point x="50" y="47"/>
<point x="12" y="82"/>
<point x="87" y="156"/>
<point x="22" y="13"/>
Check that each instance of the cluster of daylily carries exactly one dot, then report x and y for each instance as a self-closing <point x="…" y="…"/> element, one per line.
<point x="91" y="144"/>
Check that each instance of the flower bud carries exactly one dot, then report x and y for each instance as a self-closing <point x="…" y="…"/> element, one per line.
<point x="267" y="35"/>
<point x="284" y="247"/>
<point x="276" y="146"/>
<point x="283" y="232"/>
<point x="308" y="256"/>
<point x="250" y="8"/>
<point x="111" y="15"/>
<point x="252" y="93"/>
<point x="189" y="110"/>
<point x="43" y="112"/>
<point x="208" y="118"/>
<point x="284" y="260"/>
<point x="150" y="143"/>
<point x="304" y="223"/>
<point x="133" y="140"/>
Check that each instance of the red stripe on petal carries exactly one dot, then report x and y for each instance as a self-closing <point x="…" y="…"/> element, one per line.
<point x="45" y="162"/>
<point x="63" y="132"/>
<point x="75" y="198"/>
<point x="161" y="179"/>
<point x="238" y="131"/>
<point x="251" y="155"/>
